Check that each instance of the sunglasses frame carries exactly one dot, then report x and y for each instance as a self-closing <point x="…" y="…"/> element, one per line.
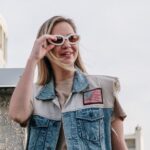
<point x="65" y="38"/>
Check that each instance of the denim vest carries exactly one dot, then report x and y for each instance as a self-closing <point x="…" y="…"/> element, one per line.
<point x="86" y="115"/>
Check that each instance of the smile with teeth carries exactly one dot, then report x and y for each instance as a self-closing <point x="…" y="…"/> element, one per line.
<point x="67" y="54"/>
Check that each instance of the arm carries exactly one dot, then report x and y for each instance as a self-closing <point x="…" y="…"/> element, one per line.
<point x="118" y="142"/>
<point x="20" y="107"/>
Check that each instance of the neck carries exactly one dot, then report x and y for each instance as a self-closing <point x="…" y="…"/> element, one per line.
<point x="62" y="74"/>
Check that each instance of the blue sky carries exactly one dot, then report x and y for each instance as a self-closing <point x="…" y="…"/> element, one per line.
<point x="115" y="39"/>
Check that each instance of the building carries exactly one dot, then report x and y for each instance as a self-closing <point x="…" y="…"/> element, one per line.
<point x="12" y="136"/>
<point x="3" y="42"/>
<point x="135" y="141"/>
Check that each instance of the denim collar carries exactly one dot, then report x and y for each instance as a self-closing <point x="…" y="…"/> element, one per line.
<point x="80" y="83"/>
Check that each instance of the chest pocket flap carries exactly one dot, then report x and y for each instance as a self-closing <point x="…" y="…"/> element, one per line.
<point x="90" y="114"/>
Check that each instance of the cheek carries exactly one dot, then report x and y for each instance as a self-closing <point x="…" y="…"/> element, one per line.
<point x="75" y="48"/>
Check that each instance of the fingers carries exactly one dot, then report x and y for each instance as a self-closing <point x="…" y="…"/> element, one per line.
<point x="47" y="37"/>
<point x="41" y="47"/>
<point x="49" y="47"/>
<point x="44" y="41"/>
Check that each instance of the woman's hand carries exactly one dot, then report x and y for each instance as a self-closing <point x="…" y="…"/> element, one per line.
<point x="40" y="47"/>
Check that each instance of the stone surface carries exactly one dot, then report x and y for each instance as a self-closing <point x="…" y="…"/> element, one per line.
<point x="11" y="134"/>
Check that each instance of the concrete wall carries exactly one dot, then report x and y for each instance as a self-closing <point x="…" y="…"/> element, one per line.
<point x="11" y="134"/>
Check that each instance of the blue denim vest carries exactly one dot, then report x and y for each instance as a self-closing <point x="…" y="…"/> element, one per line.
<point x="86" y="122"/>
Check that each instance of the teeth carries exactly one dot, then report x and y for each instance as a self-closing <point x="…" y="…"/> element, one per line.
<point x="68" y="53"/>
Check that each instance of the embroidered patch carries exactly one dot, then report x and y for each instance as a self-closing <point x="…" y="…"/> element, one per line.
<point x="93" y="97"/>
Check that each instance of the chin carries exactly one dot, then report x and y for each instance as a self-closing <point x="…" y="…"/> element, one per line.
<point x="68" y="62"/>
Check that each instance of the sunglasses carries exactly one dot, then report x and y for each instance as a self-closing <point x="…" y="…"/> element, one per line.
<point x="72" y="39"/>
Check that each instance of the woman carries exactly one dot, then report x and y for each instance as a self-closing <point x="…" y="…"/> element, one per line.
<point x="66" y="109"/>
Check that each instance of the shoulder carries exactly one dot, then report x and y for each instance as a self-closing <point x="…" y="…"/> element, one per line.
<point x="105" y="81"/>
<point x="109" y="85"/>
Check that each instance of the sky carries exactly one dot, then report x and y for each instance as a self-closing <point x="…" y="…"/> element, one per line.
<point x="115" y="37"/>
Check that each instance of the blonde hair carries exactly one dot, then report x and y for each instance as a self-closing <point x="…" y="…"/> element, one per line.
<point x="45" y="71"/>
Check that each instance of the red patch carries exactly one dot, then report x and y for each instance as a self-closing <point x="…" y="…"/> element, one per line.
<point x="93" y="97"/>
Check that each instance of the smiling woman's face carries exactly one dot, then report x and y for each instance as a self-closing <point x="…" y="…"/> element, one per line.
<point x="66" y="53"/>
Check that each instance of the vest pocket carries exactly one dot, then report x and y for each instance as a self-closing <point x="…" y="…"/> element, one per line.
<point x="90" y="124"/>
<point x="37" y="132"/>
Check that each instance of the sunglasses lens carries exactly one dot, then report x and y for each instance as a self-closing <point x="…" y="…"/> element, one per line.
<point x="58" y="41"/>
<point x="73" y="38"/>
